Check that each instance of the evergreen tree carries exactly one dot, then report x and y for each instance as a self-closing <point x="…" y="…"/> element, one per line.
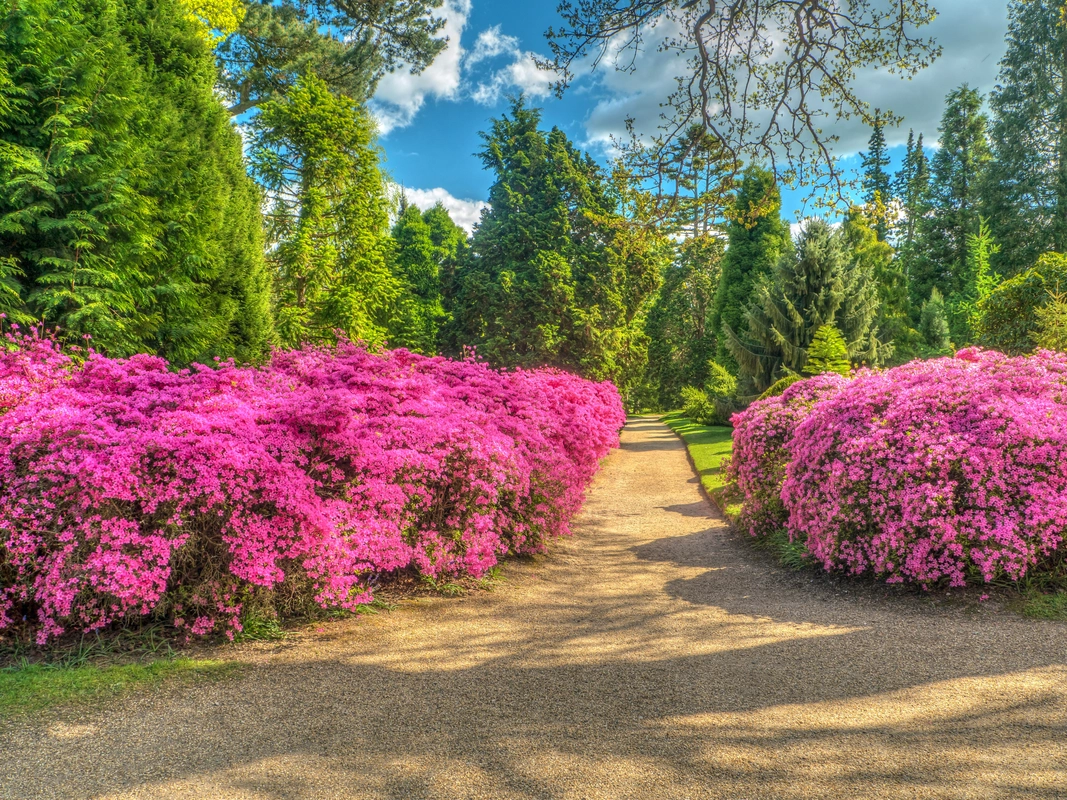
<point x="873" y="257"/>
<point x="877" y="188"/>
<point x="451" y="246"/>
<point x="1027" y="186"/>
<point x="958" y="171"/>
<point x="912" y="186"/>
<point x="681" y="339"/>
<point x="756" y="238"/>
<point x="933" y="325"/>
<point x="827" y="353"/>
<point x="557" y="275"/>
<point x="819" y="282"/>
<point x="125" y="210"/>
<point x="1052" y="324"/>
<point x="315" y="153"/>
<point x="427" y="246"/>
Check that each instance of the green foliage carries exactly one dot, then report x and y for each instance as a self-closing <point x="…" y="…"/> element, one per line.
<point x="780" y="385"/>
<point x="933" y="325"/>
<point x="715" y="403"/>
<point x="966" y="318"/>
<point x="681" y="340"/>
<point x="125" y="210"/>
<point x="415" y="259"/>
<point x="1052" y="324"/>
<point x="756" y="237"/>
<point x="874" y="257"/>
<point x="827" y="353"/>
<point x="1026" y="195"/>
<point x="557" y="274"/>
<point x="1008" y="319"/>
<point x="349" y="45"/>
<point x="316" y="155"/>
<point x="959" y="168"/>
<point x="710" y="448"/>
<point x="818" y="283"/>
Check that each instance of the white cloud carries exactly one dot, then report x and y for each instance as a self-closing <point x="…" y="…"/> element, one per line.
<point x="400" y="94"/>
<point x="465" y="213"/>
<point x="490" y="44"/>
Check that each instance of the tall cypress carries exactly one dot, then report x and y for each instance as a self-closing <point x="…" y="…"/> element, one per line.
<point x="1027" y="183"/>
<point x="756" y="238"/>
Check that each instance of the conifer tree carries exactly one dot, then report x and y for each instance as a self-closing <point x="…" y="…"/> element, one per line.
<point x="876" y="183"/>
<point x="128" y="215"/>
<point x="827" y="353"/>
<point x="958" y="172"/>
<point x="912" y="187"/>
<point x="1052" y="324"/>
<point x="756" y="238"/>
<point x="682" y="342"/>
<point x="1026" y="196"/>
<point x="874" y="259"/>
<point x="933" y="325"/>
<point x="556" y="275"/>
<point x="315" y="153"/>
<point x="819" y="282"/>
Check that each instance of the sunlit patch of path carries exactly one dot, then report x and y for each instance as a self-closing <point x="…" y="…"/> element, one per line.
<point x="653" y="655"/>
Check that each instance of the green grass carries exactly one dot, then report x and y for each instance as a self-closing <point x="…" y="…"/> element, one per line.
<point x="36" y="687"/>
<point x="1045" y="606"/>
<point x="708" y="446"/>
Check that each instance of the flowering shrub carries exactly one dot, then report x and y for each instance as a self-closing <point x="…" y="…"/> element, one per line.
<point x="127" y="489"/>
<point x="951" y="470"/>
<point x="761" y="433"/>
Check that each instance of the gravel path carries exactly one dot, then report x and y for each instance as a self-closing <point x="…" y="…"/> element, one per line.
<point x="652" y="656"/>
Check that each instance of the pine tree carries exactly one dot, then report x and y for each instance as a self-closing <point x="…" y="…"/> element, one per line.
<point x="1027" y="185"/>
<point x="827" y="353"/>
<point x="756" y="238"/>
<point x="958" y="172"/>
<point x="877" y="187"/>
<point x="819" y="282"/>
<point x="329" y="217"/>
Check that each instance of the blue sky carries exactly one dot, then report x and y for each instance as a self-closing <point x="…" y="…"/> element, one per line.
<point x="430" y="122"/>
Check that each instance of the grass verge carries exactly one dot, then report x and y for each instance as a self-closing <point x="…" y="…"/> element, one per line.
<point x="709" y="447"/>
<point x="32" y="688"/>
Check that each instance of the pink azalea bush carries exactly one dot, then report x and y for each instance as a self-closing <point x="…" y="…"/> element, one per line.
<point x="761" y="435"/>
<point x="946" y="471"/>
<point x="128" y="489"/>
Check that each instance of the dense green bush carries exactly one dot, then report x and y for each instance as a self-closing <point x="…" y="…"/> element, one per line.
<point x="1008" y="319"/>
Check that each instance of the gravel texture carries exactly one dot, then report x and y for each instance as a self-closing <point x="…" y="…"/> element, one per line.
<point x="651" y="656"/>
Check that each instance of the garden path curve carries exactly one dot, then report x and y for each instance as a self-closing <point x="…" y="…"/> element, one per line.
<point x="654" y="655"/>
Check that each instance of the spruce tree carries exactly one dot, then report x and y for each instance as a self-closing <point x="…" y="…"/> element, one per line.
<point x="958" y="172"/>
<point x="316" y="155"/>
<point x="912" y="187"/>
<point x="819" y="282"/>
<point x="756" y="238"/>
<point x="873" y="262"/>
<point x="1026" y="194"/>
<point x="876" y="183"/>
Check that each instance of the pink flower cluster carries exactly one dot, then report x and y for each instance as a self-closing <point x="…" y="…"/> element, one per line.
<point x="945" y="471"/>
<point x="761" y="435"/>
<point x="128" y="489"/>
